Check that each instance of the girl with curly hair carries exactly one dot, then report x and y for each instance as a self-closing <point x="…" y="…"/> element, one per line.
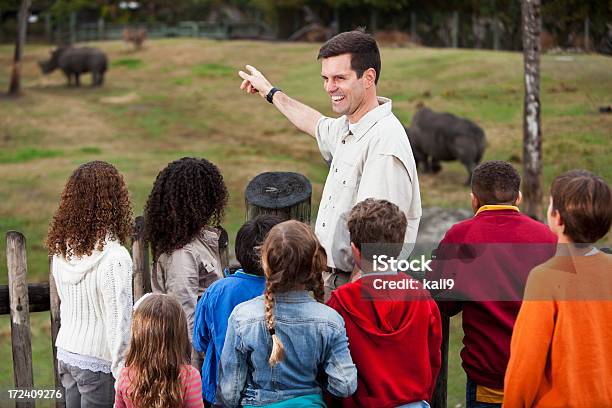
<point x="279" y="343"/>
<point x="157" y="372"/>
<point x="185" y="205"/>
<point x="93" y="275"/>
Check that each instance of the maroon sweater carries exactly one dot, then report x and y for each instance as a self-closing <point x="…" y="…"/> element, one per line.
<point x="489" y="257"/>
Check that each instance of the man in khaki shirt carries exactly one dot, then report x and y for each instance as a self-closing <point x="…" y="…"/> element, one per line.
<point x="366" y="148"/>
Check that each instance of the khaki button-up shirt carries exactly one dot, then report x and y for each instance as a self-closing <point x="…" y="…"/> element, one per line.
<point x="373" y="161"/>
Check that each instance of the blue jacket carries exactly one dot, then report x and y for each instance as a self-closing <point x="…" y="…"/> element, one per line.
<point x="316" y="348"/>
<point x="211" y="317"/>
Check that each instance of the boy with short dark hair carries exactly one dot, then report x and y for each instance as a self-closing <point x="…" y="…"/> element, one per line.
<point x="489" y="257"/>
<point x="221" y="297"/>
<point x="394" y="341"/>
<point x="560" y="353"/>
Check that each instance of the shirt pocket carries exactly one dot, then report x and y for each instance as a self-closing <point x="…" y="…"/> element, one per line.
<point x="345" y="173"/>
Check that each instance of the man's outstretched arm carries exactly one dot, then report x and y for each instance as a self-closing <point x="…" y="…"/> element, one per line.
<point x="302" y="116"/>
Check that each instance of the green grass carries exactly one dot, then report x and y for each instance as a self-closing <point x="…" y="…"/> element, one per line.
<point x="213" y="70"/>
<point x="181" y="97"/>
<point x="130" y="63"/>
<point x="27" y="154"/>
<point x="90" y="150"/>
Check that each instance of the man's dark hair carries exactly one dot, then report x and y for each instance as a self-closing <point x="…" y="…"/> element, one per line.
<point x="496" y="182"/>
<point x="583" y="201"/>
<point x="250" y="237"/>
<point x="362" y="47"/>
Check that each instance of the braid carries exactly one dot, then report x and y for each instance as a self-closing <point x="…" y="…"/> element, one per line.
<point x="315" y="279"/>
<point x="278" y="352"/>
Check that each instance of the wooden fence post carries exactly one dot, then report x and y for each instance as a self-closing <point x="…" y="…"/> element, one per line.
<point x="54" y="309"/>
<point x="140" y="258"/>
<point x="438" y="400"/>
<point x="282" y="193"/>
<point x="21" y="336"/>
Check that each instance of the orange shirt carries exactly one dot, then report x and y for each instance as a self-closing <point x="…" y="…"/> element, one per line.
<point x="561" y="354"/>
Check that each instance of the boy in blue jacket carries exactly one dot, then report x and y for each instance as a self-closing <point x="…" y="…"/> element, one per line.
<point x="219" y="300"/>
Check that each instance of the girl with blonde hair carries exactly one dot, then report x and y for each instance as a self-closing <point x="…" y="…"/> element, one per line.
<point x="157" y="371"/>
<point x="284" y="347"/>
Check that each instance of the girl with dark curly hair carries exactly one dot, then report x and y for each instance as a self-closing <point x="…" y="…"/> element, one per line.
<point x="277" y="344"/>
<point x="185" y="205"/>
<point x="93" y="275"/>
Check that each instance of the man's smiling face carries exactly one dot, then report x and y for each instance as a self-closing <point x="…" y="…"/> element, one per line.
<point x="340" y="81"/>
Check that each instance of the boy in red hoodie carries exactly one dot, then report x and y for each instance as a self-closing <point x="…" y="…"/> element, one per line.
<point x="489" y="257"/>
<point x="394" y="336"/>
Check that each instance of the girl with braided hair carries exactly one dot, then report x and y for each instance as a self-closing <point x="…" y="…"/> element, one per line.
<point x="284" y="348"/>
<point x="182" y="215"/>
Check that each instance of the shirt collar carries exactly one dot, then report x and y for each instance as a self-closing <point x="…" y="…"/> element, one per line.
<point x="242" y="273"/>
<point x="497" y="207"/>
<point x="371" y="118"/>
<point x="294" y="296"/>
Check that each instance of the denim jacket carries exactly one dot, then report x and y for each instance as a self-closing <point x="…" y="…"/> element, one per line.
<point x="316" y="352"/>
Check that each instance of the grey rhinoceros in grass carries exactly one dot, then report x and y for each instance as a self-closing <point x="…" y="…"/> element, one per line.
<point x="76" y="61"/>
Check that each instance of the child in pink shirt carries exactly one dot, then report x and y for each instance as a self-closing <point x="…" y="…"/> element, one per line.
<point x="157" y="371"/>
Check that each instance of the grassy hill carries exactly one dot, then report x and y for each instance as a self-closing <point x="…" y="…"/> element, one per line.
<point x="181" y="97"/>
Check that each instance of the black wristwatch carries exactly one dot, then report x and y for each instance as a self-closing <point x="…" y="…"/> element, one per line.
<point x="270" y="94"/>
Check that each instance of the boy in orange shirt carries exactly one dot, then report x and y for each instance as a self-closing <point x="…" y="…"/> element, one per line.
<point x="560" y="350"/>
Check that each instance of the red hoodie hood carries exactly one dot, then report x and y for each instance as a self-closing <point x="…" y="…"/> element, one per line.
<point x="381" y="312"/>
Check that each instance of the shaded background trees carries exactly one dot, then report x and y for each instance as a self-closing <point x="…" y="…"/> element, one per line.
<point x="462" y="23"/>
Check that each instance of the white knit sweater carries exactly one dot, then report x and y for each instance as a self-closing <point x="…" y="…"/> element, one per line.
<point x="96" y="304"/>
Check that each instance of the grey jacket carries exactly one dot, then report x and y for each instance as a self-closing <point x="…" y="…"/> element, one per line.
<point x="187" y="272"/>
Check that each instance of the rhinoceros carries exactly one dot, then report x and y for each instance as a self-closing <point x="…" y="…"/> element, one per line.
<point x="76" y="61"/>
<point x="436" y="137"/>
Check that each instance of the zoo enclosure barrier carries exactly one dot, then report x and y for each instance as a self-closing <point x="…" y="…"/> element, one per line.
<point x="285" y="194"/>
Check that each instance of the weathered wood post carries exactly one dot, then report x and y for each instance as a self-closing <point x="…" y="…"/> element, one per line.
<point x="54" y="310"/>
<point x="140" y="259"/>
<point x="101" y="33"/>
<point x="73" y="28"/>
<point x="455" y="29"/>
<point x="532" y="130"/>
<point x="282" y="193"/>
<point x="21" y="337"/>
<point x="438" y="400"/>
<point x="224" y="249"/>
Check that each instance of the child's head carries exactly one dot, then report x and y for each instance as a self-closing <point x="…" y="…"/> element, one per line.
<point x="292" y="259"/>
<point x="188" y="195"/>
<point x="495" y="182"/>
<point x="376" y="222"/>
<point x="580" y="207"/>
<point x="95" y="204"/>
<point x="249" y="239"/>
<point x="159" y="346"/>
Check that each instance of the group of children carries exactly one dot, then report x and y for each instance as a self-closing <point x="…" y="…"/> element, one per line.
<point x="268" y="336"/>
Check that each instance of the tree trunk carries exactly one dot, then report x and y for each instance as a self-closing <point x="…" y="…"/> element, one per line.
<point x="22" y="25"/>
<point x="532" y="131"/>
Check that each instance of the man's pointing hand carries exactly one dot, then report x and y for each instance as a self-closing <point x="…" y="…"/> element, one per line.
<point x="254" y="82"/>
